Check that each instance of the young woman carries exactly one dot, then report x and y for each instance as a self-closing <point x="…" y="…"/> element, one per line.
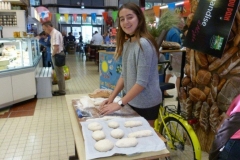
<point x="139" y="78"/>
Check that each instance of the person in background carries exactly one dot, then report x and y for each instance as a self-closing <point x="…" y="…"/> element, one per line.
<point x="64" y="42"/>
<point x="139" y="78"/>
<point x="107" y="38"/>
<point x="45" y="41"/>
<point x="80" y="38"/>
<point x="174" y="35"/>
<point x="227" y="141"/>
<point x="97" y="39"/>
<point x="56" y="48"/>
<point x="70" y="37"/>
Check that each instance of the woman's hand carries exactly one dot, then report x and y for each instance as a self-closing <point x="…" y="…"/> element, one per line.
<point x="109" y="108"/>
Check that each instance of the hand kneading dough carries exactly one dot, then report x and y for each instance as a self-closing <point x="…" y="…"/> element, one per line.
<point x="132" y="123"/>
<point x="103" y="145"/>
<point x="94" y="126"/>
<point x="98" y="135"/>
<point x="138" y="134"/>
<point x="117" y="133"/>
<point x="113" y="124"/>
<point x="126" y="142"/>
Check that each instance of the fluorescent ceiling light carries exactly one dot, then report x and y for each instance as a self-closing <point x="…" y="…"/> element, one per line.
<point x="176" y="4"/>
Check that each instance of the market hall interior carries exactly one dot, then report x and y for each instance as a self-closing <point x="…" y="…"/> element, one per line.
<point x="46" y="132"/>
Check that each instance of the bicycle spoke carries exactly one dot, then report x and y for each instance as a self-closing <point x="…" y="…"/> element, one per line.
<point x="183" y="148"/>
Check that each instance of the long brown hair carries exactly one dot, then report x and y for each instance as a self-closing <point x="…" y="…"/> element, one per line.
<point x="141" y="30"/>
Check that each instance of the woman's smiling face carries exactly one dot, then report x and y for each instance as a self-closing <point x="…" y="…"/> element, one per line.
<point x="128" y="21"/>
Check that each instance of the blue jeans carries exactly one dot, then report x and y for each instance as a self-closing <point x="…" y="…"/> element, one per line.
<point x="231" y="150"/>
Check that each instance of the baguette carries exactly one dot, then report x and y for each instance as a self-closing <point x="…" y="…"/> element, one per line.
<point x="192" y="67"/>
<point x="204" y="117"/>
<point x="201" y="59"/>
<point x="197" y="109"/>
<point x="218" y="62"/>
<point x="187" y="69"/>
<point x="214" y="117"/>
<point x="232" y="62"/>
<point x="221" y="83"/>
<point x="236" y="39"/>
<point x="235" y="70"/>
<point x="211" y="58"/>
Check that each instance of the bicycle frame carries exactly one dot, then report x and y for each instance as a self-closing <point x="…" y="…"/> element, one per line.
<point x="165" y="115"/>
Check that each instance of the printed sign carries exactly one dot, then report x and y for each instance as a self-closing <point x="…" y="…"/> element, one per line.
<point x="211" y="26"/>
<point x="110" y="70"/>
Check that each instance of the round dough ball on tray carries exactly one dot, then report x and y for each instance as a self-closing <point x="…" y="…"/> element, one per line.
<point x="104" y="145"/>
<point x="139" y="134"/>
<point x="98" y="135"/>
<point x="126" y="142"/>
<point x="94" y="126"/>
<point x="113" y="124"/>
<point x="132" y="123"/>
<point x="117" y="133"/>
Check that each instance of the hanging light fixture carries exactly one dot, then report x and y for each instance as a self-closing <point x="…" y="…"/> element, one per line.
<point x="82" y="5"/>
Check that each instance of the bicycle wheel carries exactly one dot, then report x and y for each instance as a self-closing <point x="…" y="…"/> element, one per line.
<point x="182" y="147"/>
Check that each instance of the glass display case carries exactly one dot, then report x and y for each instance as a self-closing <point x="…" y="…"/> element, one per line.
<point x="18" y="53"/>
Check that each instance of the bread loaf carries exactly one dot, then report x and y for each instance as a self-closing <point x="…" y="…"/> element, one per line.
<point x="206" y="90"/>
<point x="187" y="69"/>
<point x="185" y="81"/>
<point x="189" y="19"/>
<point x="229" y="91"/>
<point x="226" y="55"/>
<point x="232" y="62"/>
<point x="100" y="93"/>
<point x="211" y="58"/>
<point x="210" y="99"/>
<point x="201" y="59"/>
<point x="192" y="67"/>
<point x="186" y="106"/>
<point x="182" y="94"/>
<point x="197" y="109"/>
<point x="196" y="95"/>
<point x="214" y="117"/>
<point x="204" y="117"/>
<point x="235" y="70"/>
<point x="203" y="77"/>
<point x="214" y="84"/>
<point x="221" y="83"/>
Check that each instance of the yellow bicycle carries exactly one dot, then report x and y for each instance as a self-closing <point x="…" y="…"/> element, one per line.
<point x="182" y="141"/>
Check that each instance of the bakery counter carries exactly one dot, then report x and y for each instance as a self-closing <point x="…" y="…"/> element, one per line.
<point x="109" y="69"/>
<point x="80" y="152"/>
<point x="18" y="84"/>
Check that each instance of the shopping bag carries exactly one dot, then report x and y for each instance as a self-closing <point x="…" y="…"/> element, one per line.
<point x="66" y="72"/>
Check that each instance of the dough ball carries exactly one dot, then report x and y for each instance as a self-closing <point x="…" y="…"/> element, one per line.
<point x="138" y="134"/>
<point x="113" y="124"/>
<point x="94" y="126"/>
<point x="98" y="135"/>
<point x="132" y="123"/>
<point x="103" y="145"/>
<point x="126" y="142"/>
<point x="117" y="133"/>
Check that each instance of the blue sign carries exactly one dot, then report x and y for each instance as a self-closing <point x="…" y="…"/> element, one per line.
<point x="110" y="70"/>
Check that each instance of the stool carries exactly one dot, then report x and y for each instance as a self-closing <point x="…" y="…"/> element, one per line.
<point x="44" y="82"/>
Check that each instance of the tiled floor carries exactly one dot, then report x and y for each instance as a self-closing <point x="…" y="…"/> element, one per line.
<point x="47" y="134"/>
